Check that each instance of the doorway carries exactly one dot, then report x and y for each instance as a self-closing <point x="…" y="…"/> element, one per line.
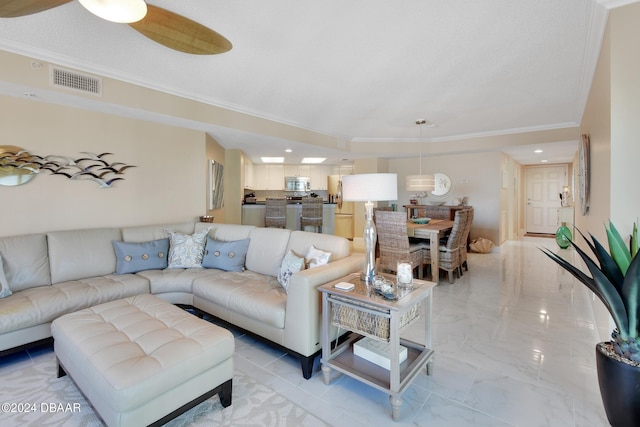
<point x="544" y="185"/>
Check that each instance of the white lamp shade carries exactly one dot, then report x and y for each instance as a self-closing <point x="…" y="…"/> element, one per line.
<point x="120" y="11"/>
<point x="370" y="187"/>
<point x="420" y="183"/>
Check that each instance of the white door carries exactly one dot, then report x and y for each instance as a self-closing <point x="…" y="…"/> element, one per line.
<point x="544" y="185"/>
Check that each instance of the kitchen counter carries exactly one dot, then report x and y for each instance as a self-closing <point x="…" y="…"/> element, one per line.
<point x="289" y="202"/>
<point x="253" y="214"/>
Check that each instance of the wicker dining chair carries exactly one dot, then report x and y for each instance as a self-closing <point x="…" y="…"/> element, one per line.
<point x="311" y="215"/>
<point x="450" y="258"/>
<point x="394" y="242"/>
<point x="381" y="208"/>
<point x="465" y="241"/>
<point x="275" y="214"/>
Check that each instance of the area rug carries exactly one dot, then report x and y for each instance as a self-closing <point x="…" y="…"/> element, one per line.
<point x="31" y="395"/>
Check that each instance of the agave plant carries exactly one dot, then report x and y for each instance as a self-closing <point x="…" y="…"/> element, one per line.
<point x="615" y="279"/>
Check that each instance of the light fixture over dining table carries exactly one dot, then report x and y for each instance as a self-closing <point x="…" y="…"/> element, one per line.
<point x="420" y="184"/>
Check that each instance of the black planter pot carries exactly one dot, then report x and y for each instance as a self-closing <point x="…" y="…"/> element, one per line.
<point x="620" y="390"/>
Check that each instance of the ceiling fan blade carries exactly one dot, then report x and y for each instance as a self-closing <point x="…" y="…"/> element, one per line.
<point x="180" y="33"/>
<point x="16" y="8"/>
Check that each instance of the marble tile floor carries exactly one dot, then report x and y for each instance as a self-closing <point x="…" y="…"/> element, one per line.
<point x="514" y="341"/>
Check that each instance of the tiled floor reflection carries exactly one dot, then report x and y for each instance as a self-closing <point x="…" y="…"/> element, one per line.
<point x="514" y="341"/>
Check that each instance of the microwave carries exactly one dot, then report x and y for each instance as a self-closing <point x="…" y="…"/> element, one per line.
<point x="297" y="183"/>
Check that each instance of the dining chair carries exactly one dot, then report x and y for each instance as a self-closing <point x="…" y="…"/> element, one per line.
<point x="450" y="258"/>
<point x="275" y="214"/>
<point x="394" y="242"/>
<point x="311" y="213"/>
<point x="465" y="241"/>
<point x="381" y="208"/>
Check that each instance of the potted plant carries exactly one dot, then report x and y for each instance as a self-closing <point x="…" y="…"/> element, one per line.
<point x="615" y="279"/>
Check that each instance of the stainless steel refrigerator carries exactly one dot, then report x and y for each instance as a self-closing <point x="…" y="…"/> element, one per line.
<point x="343" y="221"/>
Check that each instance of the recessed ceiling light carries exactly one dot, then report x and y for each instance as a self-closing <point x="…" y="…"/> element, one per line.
<point x="313" y="159"/>
<point x="288" y="150"/>
<point x="544" y="161"/>
<point x="538" y="151"/>
<point x="272" y="159"/>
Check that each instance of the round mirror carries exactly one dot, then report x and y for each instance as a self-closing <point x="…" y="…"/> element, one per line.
<point x="15" y="166"/>
<point x="443" y="185"/>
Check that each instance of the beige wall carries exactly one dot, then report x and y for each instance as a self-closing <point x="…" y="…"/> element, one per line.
<point x="166" y="186"/>
<point x="625" y="116"/>
<point x="611" y="119"/>
<point x="474" y="175"/>
<point x="596" y="121"/>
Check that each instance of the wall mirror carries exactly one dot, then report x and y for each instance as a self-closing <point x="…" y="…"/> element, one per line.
<point x="216" y="185"/>
<point x="10" y="158"/>
<point x="443" y="186"/>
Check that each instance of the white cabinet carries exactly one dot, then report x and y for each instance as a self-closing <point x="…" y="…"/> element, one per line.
<point x="318" y="175"/>
<point x="297" y="170"/>
<point x="249" y="181"/>
<point x="276" y="177"/>
<point x="268" y="177"/>
<point x="565" y="217"/>
<point x="271" y="177"/>
<point x="260" y="176"/>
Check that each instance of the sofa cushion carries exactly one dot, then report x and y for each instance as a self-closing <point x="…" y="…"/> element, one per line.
<point x="301" y="241"/>
<point x="76" y="254"/>
<point x="144" y="233"/>
<point x="316" y="257"/>
<point x="35" y="306"/>
<point x="254" y="295"/>
<point x="290" y="264"/>
<point x="132" y="257"/>
<point x="186" y="250"/>
<point x="25" y="261"/>
<point x="267" y="249"/>
<point x="5" y="291"/>
<point x="225" y="232"/>
<point x="227" y="256"/>
<point x="174" y="279"/>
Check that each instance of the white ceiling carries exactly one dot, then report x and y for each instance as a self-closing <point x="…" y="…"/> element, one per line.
<point x="359" y="70"/>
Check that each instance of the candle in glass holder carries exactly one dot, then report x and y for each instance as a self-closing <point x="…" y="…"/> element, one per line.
<point x="404" y="273"/>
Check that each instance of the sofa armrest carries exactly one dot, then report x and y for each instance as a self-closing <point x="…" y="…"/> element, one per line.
<point x="303" y="324"/>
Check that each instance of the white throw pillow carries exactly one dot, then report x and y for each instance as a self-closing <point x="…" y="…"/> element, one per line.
<point x="4" y="284"/>
<point x="290" y="264"/>
<point x="186" y="250"/>
<point x="315" y="257"/>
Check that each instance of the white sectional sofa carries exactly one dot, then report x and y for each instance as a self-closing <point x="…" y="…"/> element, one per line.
<point x="59" y="272"/>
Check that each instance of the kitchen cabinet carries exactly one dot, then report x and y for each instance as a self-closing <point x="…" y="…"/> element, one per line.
<point x="249" y="182"/>
<point x="276" y="177"/>
<point x="297" y="170"/>
<point x="253" y="215"/>
<point x="318" y="175"/>
<point x="268" y="177"/>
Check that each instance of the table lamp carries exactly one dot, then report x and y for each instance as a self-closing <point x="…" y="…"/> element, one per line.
<point x="369" y="188"/>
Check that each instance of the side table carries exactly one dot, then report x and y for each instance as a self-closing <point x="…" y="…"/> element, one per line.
<point x="367" y="314"/>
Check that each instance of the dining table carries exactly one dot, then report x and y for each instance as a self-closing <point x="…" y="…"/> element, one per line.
<point x="432" y="231"/>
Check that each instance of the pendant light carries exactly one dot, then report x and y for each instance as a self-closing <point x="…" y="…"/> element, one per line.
<point x="120" y="11"/>
<point x="420" y="185"/>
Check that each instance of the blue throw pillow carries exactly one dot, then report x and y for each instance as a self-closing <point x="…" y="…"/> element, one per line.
<point x="227" y="256"/>
<point x="132" y="257"/>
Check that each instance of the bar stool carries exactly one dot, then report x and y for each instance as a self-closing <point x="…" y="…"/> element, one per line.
<point x="275" y="214"/>
<point x="311" y="213"/>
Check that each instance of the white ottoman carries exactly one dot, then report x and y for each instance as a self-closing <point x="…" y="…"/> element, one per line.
<point x="142" y="360"/>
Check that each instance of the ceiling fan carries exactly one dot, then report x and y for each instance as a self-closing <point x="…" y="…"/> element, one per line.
<point x="160" y="25"/>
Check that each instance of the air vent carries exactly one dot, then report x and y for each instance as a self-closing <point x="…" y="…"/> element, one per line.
<point x="75" y="81"/>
